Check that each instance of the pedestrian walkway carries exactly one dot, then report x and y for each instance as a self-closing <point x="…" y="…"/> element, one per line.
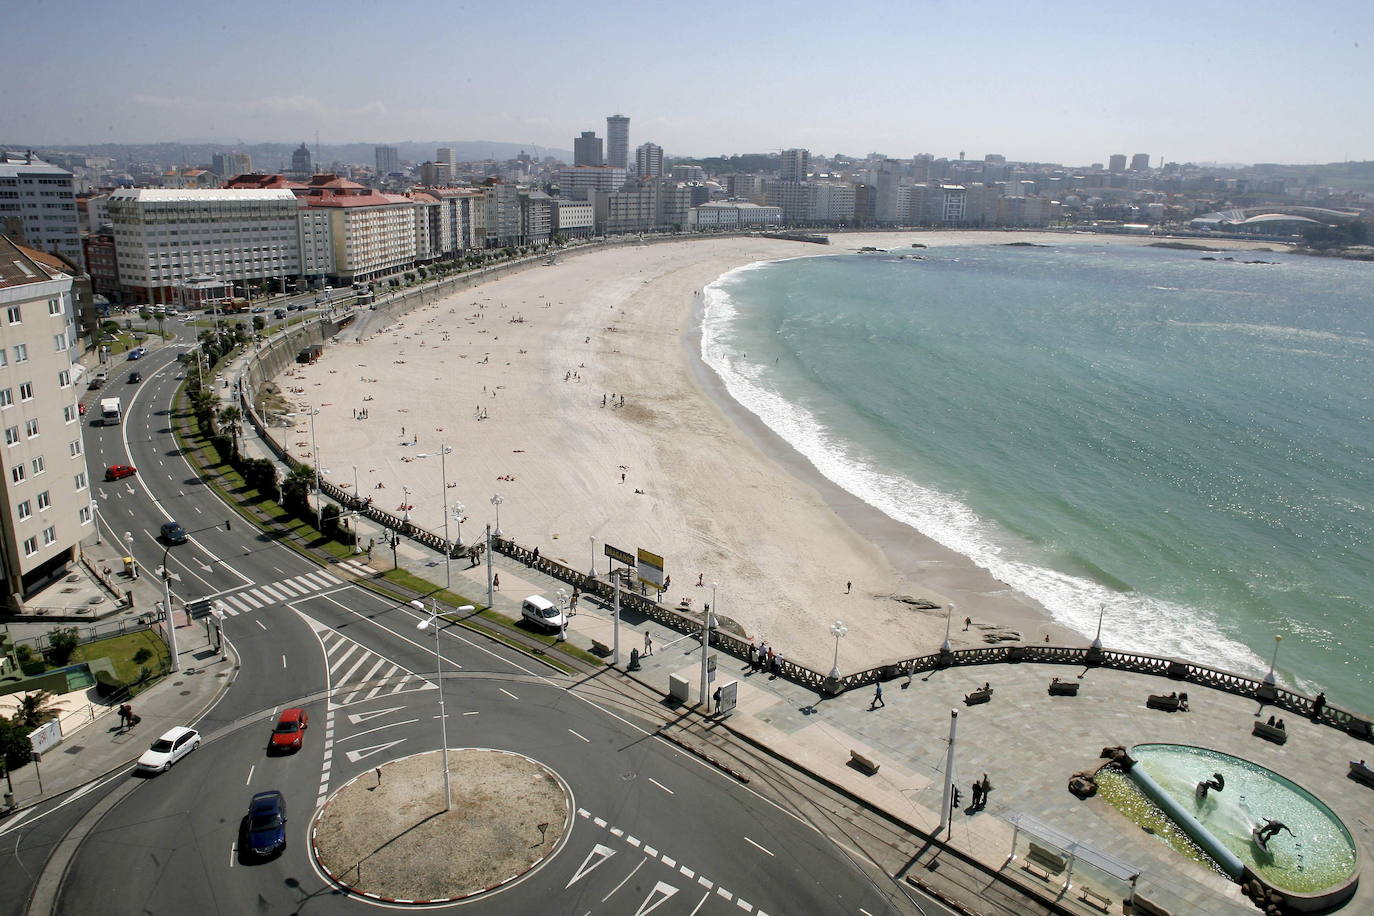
<point x="256" y="597"/>
<point x="357" y="674"/>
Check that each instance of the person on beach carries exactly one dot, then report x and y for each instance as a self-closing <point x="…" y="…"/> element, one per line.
<point x="877" y="696"/>
<point x="648" y="643"/>
<point x="847" y="587"/>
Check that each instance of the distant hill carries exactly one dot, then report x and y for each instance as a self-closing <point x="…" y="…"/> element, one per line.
<point x="271" y="157"/>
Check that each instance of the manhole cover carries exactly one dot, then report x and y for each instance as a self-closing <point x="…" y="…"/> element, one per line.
<point x="74" y="749"/>
<point x="186" y="693"/>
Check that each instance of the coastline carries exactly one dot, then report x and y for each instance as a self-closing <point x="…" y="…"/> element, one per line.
<point x="707" y="484"/>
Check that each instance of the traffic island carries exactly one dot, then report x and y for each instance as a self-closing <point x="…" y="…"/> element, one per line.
<point x="385" y="834"/>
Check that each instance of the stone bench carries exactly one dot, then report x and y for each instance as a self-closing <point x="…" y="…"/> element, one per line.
<point x="981" y="695"/>
<point x="1060" y="688"/>
<point x="861" y="762"/>
<point x="1167" y="704"/>
<point x="1361" y="772"/>
<point x="1270" y="732"/>
<point x="600" y="648"/>
<point x="1047" y="859"/>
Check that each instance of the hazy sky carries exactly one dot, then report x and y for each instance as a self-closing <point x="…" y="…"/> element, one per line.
<point x="1055" y="81"/>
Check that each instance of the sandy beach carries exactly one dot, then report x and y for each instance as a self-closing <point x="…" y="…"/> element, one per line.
<point x="512" y="376"/>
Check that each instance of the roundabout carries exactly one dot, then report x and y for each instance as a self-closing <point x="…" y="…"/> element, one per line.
<point x="386" y="836"/>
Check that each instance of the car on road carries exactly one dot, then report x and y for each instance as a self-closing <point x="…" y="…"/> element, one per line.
<point x="135" y="377"/>
<point x="279" y="314"/>
<point x="258" y="309"/>
<point x="120" y="471"/>
<point x="96" y="381"/>
<point x="137" y="353"/>
<point x="173" y="533"/>
<point x="167" y="750"/>
<point x="542" y="612"/>
<point x="265" y="827"/>
<point x="290" y="730"/>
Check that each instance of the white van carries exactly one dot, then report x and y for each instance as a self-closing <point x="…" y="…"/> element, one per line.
<point x="542" y="612"/>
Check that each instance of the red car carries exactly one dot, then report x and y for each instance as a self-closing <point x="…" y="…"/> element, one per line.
<point x="290" y="730"/>
<point x="120" y="471"/>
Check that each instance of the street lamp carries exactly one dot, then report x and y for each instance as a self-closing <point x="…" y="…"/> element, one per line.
<point x="433" y="621"/>
<point x="357" y="497"/>
<point x="129" y="551"/>
<point x="1097" y="640"/>
<point x="456" y="513"/>
<point x="591" y="568"/>
<point x="949" y="613"/>
<point x="448" y="547"/>
<point x="563" y="613"/>
<point x="1269" y="678"/>
<point x="315" y="454"/>
<point x="615" y="641"/>
<point x="405" y="504"/>
<point x="95" y="511"/>
<point x="837" y="629"/>
<point x="167" y="606"/>
<point x="706" y="648"/>
<point x="496" y="500"/>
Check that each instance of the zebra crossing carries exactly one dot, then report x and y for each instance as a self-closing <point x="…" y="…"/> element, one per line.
<point x="357" y="674"/>
<point x="252" y="599"/>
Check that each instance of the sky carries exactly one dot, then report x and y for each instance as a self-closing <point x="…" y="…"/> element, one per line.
<point x="1052" y="81"/>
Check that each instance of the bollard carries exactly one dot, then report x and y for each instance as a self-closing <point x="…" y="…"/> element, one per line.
<point x="634" y="661"/>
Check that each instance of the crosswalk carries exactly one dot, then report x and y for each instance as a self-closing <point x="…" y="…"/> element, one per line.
<point x="265" y="595"/>
<point x="357" y="674"/>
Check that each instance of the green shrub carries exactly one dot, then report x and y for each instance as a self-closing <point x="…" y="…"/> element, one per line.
<point x="62" y="642"/>
<point x="142" y="655"/>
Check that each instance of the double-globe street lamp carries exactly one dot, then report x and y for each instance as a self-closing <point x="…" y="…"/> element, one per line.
<point x="433" y="621"/>
<point x="838" y="630"/>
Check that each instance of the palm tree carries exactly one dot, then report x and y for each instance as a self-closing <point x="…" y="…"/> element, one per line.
<point x="230" y="417"/>
<point x="36" y="708"/>
<point x="299" y="482"/>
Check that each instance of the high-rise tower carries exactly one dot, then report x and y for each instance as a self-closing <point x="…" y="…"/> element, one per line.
<point x="587" y="149"/>
<point x="618" y="141"/>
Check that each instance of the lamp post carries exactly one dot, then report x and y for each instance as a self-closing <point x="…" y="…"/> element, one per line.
<point x="129" y="550"/>
<point x="949" y="614"/>
<point x="490" y="595"/>
<point x="563" y="615"/>
<point x="706" y="649"/>
<point x="1269" y="678"/>
<point x="615" y="633"/>
<point x="405" y="504"/>
<point x="167" y="604"/>
<point x="315" y="454"/>
<point x="591" y="567"/>
<point x="1097" y="640"/>
<point x="448" y="547"/>
<point x="456" y="513"/>
<point x="837" y="630"/>
<point x="95" y="512"/>
<point x="357" y="497"/>
<point x="947" y="797"/>
<point x="433" y="621"/>
<point x="496" y="500"/>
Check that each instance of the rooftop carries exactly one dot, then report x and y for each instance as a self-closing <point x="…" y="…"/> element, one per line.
<point x="20" y="265"/>
<point x="200" y="196"/>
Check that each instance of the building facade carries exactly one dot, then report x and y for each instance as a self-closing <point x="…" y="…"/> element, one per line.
<point x="579" y="182"/>
<point x="618" y="141"/>
<point x="587" y="150"/>
<point x="388" y="160"/>
<point x="38" y="206"/>
<point x="649" y="160"/>
<point x="796" y="165"/>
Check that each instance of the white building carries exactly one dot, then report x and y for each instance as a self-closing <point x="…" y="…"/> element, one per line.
<point x="38" y="206"/>
<point x="831" y="202"/>
<point x="649" y="160"/>
<point x="580" y="181"/>
<point x="45" y="494"/>
<point x="573" y="218"/>
<point x="732" y="214"/>
<point x="164" y="237"/>
<point x="796" y="165"/>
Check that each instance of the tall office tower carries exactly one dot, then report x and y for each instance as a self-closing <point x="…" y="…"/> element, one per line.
<point x="242" y="163"/>
<point x="388" y="159"/>
<point x="618" y="141"/>
<point x="1140" y="162"/>
<point x="1117" y="163"/>
<point x="446" y="157"/>
<point x="587" y="150"/>
<point x="300" y="161"/>
<point x="38" y="206"/>
<point x="649" y="160"/>
<point x="796" y="163"/>
<point x="45" y="495"/>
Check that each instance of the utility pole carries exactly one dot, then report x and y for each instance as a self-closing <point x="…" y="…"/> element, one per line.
<point x="947" y="797"/>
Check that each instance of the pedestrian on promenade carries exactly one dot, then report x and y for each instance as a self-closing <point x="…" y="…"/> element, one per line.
<point x="648" y="643"/>
<point x="124" y="715"/>
<point x="877" y="696"/>
<point x="977" y="795"/>
<point x="968" y="622"/>
<point x="753" y="656"/>
<point x="983" y="789"/>
<point x="777" y="663"/>
<point x="847" y="587"/>
<point x="1318" y="705"/>
<point x="768" y="659"/>
<point x="496" y="581"/>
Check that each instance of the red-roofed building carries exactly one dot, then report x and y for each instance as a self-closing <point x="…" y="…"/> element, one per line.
<point x="258" y="181"/>
<point x="370" y="233"/>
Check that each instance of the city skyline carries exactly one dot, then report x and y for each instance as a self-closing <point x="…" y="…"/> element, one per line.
<point x="1221" y="84"/>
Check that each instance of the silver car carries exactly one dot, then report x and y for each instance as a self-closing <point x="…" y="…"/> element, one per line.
<point x="167" y="750"/>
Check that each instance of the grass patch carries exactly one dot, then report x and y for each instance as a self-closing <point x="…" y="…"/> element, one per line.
<point x="120" y="650"/>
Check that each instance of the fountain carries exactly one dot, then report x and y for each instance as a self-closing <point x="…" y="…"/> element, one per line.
<point x="1252" y="822"/>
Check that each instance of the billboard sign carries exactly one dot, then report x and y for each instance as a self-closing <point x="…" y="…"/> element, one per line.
<point x="46" y="736"/>
<point x="727" y="696"/>
<point x="615" y="553"/>
<point x="650" y="568"/>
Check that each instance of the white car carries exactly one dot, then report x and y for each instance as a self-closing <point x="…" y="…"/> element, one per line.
<point x="167" y="750"/>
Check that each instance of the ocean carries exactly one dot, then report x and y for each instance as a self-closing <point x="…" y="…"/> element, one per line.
<point x="1185" y="444"/>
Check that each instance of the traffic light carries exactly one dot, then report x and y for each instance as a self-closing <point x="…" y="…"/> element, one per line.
<point x="955" y="796"/>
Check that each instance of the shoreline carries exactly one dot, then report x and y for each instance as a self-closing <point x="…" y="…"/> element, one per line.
<point x="682" y="470"/>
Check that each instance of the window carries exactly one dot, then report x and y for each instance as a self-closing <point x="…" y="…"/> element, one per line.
<point x="11" y="435"/>
<point x="80" y="480"/>
<point x="12" y="314"/>
<point x="54" y="306"/>
<point x="85" y="514"/>
<point x="26" y="391"/>
<point x="49" y="535"/>
<point x="17" y="473"/>
<point x="44" y="500"/>
<point x="23" y="510"/>
<point x="6" y="397"/>
<point x="31" y="428"/>
<point x="30" y="546"/>
<point x="75" y="447"/>
<point x="69" y="414"/>
<point x="21" y="353"/>
<point x="59" y="342"/>
<point x="39" y="466"/>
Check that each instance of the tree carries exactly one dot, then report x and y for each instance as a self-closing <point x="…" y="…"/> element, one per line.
<point x="230" y="417"/>
<point x="36" y="709"/>
<point x="14" y="744"/>
<point x="296" y="487"/>
<point x="62" y="642"/>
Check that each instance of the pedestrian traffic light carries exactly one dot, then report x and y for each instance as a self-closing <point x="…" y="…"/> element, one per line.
<point x="955" y="796"/>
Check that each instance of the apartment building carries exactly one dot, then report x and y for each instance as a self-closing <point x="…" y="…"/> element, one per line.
<point x="732" y="214"/>
<point x="793" y="198"/>
<point x="831" y="202"/>
<point x="573" y="219"/>
<point x="580" y="181"/>
<point x="45" y="495"/>
<point x="370" y="233"/>
<point x="38" y="205"/>
<point x="649" y="160"/>
<point x="618" y="141"/>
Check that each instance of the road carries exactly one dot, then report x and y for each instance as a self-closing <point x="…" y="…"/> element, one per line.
<point x="655" y="828"/>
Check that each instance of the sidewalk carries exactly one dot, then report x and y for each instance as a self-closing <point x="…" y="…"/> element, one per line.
<point x="101" y="746"/>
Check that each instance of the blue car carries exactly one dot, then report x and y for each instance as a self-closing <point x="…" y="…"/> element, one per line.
<point x="266" y="827"/>
<point x="137" y="353"/>
<point x="173" y="533"/>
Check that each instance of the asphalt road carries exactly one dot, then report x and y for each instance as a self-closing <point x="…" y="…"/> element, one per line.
<point x="655" y="830"/>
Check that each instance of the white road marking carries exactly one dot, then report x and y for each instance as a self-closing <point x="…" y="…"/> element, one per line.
<point x="584" y="739"/>
<point x="756" y="845"/>
<point x="474" y="713"/>
<point x="699" y="903"/>
<point x="662" y="892"/>
<point x="722" y="892"/>
<point x="627" y="878"/>
<point x="283" y="661"/>
<point x="358" y="718"/>
<point x="508" y="693"/>
<point x="378" y="728"/>
<point x="259" y="623"/>
<point x="250" y="774"/>
<point x="661" y="786"/>
<point x="233" y="852"/>
<point x="355" y="756"/>
<point x="602" y="853"/>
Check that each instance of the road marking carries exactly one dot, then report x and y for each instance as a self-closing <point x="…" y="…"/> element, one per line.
<point x="699" y="903"/>
<point x="379" y="728"/>
<point x="633" y="841"/>
<point x="584" y="739"/>
<point x="744" y="905"/>
<point x="233" y="852"/>
<point x="358" y="718"/>
<point x="626" y="878"/>
<point x="687" y="872"/>
<point x="756" y="845"/>
<point x="602" y="853"/>
<point x="283" y="661"/>
<point x="250" y="774"/>
<point x="508" y="693"/>
<point x="662" y="888"/>
<point x="474" y="713"/>
<point x="661" y="786"/>
<point x="259" y="623"/>
<point x="722" y="892"/>
<point x="360" y="754"/>
<point x="705" y="882"/>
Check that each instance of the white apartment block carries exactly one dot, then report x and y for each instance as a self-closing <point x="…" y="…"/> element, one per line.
<point x="573" y="218"/>
<point x="316" y="243"/>
<point x="649" y="160"/>
<point x="38" y="206"/>
<point x="580" y="181"/>
<point x="732" y="214"/>
<point x="164" y="237"/>
<point x="370" y="237"/>
<point x="45" y="489"/>
<point x="831" y="202"/>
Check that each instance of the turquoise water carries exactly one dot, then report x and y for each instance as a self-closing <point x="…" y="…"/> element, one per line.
<point x="1186" y="442"/>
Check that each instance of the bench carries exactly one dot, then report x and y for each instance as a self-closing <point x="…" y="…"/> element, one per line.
<point x="1047" y="859"/>
<point x="1361" y="772"/>
<point x="1167" y="704"/>
<point x="1094" y="899"/>
<point x="1270" y="732"/>
<point x="600" y="648"/>
<point x="1060" y="688"/>
<point x="859" y="761"/>
<point x="981" y="695"/>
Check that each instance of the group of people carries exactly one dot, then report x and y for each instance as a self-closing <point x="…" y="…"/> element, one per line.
<point x="766" y="658"/>
<point x="127" y="717"/>
<point x="981" y="788"/>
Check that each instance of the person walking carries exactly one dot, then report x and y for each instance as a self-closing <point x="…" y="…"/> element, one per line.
<point x="847" y="587"/>
<point x="877" y="696"/>
<point x="1318" y="705"/>
<point x="977" y="795"/>
<point x="496" y="581"/>
<point x="984" y="788"/>
<point x="648" y="643"/>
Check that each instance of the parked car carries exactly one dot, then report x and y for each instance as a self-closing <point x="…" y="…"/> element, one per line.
<point x="258" y="309"/>
<point x="167" y="750"/>
<point x="290" y="730"/>
<point x="265" y="827"/>
<point x="120" y="471"/>
<point x="279" y="314"/>
<point x="541" y="612"/>
<point x="135" y="377"/>
<point x="173" y="533"/>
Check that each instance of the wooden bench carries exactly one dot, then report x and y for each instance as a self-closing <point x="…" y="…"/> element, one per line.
<point x="1094" y="899"/>
<point x="1361" y="772"/>
<point x="1047" y="859"/>
<point x="1060" y="688"/>
<point x="1270" y="732"/>
<point x="981" y="695"/>
<point x="867" y="764"/>
<point x="1168" y="704"/>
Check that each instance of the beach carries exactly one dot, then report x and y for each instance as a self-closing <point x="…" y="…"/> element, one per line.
<point x="523" y="378"/>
